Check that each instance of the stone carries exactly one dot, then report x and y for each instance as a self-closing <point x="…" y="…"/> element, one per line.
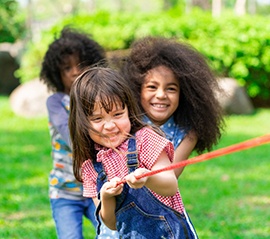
<point x="29" y="99"/>
<point x="233" y="98"/>
<point x="8" y="66"/>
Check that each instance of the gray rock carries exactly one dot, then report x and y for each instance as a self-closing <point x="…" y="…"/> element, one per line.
<point x="29" y="99"/>
<point x="234" y="98"/>
<point x="8" y="65"/>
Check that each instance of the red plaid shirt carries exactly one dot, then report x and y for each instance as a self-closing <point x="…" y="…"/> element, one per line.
<point x="149" y="147"/>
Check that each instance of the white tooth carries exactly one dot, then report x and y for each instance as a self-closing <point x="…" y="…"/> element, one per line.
<point x="159" y="106"/>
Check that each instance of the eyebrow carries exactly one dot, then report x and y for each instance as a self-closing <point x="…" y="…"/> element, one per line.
<point x="174" y="84"/>
<point x="154" y="81"/>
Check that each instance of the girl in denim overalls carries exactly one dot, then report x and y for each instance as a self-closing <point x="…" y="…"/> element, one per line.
<point x="110" y="143"/>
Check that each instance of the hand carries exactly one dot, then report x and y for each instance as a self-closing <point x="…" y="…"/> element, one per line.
<point x="111" y="189"/>
<point x="133" y="182"/>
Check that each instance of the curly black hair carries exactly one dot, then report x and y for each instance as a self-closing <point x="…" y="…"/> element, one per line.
<point x="198" y="108"/>
<point x="70" y="42"/>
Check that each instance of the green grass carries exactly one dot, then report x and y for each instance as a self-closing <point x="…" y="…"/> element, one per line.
<point x="226" y="197"/>
<point x="25" y="164"/>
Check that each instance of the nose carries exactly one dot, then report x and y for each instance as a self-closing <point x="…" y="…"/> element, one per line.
<point x="161" y="93"/>
<point x="109" y="124"/>
<point x="75" y="71"/>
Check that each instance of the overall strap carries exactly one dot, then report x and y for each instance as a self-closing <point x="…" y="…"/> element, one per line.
<point x="102" y="177"/>
<point x="132" y="156"/>
<point x="132" y="164"/>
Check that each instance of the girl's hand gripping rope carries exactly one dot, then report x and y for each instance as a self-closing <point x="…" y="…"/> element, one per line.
<point x="112" y="188"/>
<point x="216" y="153"/>
<point x="133" y="179"/>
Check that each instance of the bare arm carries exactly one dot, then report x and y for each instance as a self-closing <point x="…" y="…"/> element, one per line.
<point x="163" y="183"/>
<point x="183" y="151"/>
<point x="96" y="201"/>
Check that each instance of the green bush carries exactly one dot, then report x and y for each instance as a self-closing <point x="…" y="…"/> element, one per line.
<point x="12" y="23"/>
<point x="237" y="47"/>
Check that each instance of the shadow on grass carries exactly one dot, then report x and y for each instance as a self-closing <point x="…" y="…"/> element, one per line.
<point x="25" y="166"/>
<point x="227" y="196"/>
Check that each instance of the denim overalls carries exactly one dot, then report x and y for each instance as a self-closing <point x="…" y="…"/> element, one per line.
<point x="140" y="215"/>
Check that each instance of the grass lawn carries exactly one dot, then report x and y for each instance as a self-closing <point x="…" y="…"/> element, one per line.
<point x="226" y="197"/>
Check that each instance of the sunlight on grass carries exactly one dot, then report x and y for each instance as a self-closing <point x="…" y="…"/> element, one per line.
<point x="226" y="197"/>
<point x="255" y="124"/>
<point x="263" y="201"/>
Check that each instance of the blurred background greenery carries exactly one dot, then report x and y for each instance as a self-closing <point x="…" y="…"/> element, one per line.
<point x="227" y="197"/>
<point x="233" y="34"/>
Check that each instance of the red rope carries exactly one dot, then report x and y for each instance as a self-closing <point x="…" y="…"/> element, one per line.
<point x="219" y="152"/>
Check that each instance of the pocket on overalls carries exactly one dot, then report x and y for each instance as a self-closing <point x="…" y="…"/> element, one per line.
<point x="134" y="223"/>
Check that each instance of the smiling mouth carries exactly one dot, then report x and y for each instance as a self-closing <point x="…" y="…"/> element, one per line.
<point x="112" y="136"/>
<point x="159" y="106"/>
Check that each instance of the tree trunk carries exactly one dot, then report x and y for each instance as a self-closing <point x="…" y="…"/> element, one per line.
<point x="203" y="4"/>
<point x="92" y="6"/>
<point x="168" y="4"/>
<point x="188" y="6"/>
<point x="252" y="7"/>
<point x="120" y="5"/>
<point x="240" y="7"/>
<point x="216" y="8"/>
<point x="29" y="20"/>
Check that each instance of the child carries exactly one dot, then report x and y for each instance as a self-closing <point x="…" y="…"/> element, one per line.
<point x="63" y="62"/>
<point x="110" y="143"/>
<point x="176" y="90"/>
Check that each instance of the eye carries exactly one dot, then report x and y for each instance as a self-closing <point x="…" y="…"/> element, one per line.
<point x="95" y="119"/>
<point x="151" y="87"/>
<point x="65" y="68"/>
<point x="118" y="114"/>
<point x="172" y="89"/>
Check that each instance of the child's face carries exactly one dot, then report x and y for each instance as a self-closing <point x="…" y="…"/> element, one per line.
<point x="69" y="71"/>
<point x="160" y="94"/>
<point x="115" y="125"/>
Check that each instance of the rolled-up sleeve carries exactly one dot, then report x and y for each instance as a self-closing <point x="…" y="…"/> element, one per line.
<point x="89" y="176"/>
<point x="151" y="145"/>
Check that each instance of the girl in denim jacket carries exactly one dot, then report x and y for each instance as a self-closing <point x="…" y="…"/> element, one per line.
<point x="176" y="91"/>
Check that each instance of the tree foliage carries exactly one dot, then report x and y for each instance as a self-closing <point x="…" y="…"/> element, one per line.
<point x="236" y="47"/>
<point x="11" y="22"/>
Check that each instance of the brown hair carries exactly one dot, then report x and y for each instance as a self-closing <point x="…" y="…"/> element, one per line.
<point x="198" y="108"/>
<point x="109" y="87"/>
